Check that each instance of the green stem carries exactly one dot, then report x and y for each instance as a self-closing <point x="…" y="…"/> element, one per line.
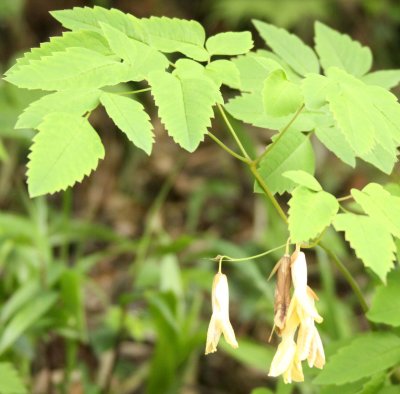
<point x="135" y="91"/>
<point x="280" y="135"/>
<point x="228" y="258"/>
<point x="226" y="149"/>
<point x="232" y="131"/>
<point x="345" y="198"/>
<point x="346" y="273"/>
<point x="267" y="192"/>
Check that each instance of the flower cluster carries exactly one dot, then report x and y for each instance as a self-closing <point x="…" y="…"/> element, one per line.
<point x="301" y="318"/>
<point x="295" y="318"/>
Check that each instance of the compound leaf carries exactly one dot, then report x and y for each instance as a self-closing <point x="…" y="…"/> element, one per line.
<point x="143" y="58"/>
<point x="293" y="151"/>
<point x="184" y="105"/>
<point x="224" y="72"/>
<point x="253" y="69"/>
<point x="79" y="39"/>
<point x="379" y="204"/>
<point x="74" y="68"/>
<point x="229" y="43"/>
<point x="310" y="213"/>
<point x="175" y="35"/>
<point x="65" y="150"/>
<point x="386" y="79"/>
<point x="131" y="118"/>
<point x="363" y="357"/>
<point x="339" y="50"/>
<point x="289" y="47"/>
<point x="281" y="97"/>
<point x="71" y="101"/>
<point x="385" y="307"/>
<point x="87" y="18"/>
<point x="303" y="178"/>
<point x="372" y="243"/>
<point x="335" y="141"/>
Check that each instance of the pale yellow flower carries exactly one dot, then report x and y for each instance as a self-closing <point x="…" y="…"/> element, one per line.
<point x="219" y="323"/>
<point x="286" y="361"/>
<point x="301" y="318"/>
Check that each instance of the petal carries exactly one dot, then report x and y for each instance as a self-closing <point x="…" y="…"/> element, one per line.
<point x="213" y="334"/>
<point x="305" y="338"/>
<point x="320" y="358"/>
<point x="306" y="306"/>
<point x="283" y="357"/>
<point x="297" y="372"/>
<point x="229" y="334"/>
<point x="299" y="271"/>
<point x="220" y="294"/>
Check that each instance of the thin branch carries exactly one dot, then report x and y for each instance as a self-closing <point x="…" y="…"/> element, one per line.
<point x="280" y="135"/>
<point x="226" y="149"/>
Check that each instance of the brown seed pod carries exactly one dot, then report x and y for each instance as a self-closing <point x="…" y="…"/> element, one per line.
<point x="282" y="292"/>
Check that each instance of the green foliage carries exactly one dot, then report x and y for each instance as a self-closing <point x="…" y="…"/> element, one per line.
<point x="364" y="356"/>
<point x="184" y="105"/>
<point x="293" y="151"/>
<point x="229" y="43"/>
<point x="224" y="72"/>
<point x="339" y="50"/>
<point x="65" y="150"/>
<point x="373" y="244"/>
<point x="74" y="68"/>
<point x="386" y="79"/>
<point x="303" y="178"/>
<point x="385" y="307"/>
<point x="281" y="97"/>
<point x="289" y="47"/>
<point x="143" y="58"/>
<point x="11" y="383"/>
<point x="310" y="213"/>
<point x="76" y="102"/>
<point x="136" y="126"/>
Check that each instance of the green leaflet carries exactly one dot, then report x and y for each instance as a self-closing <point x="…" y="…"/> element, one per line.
<point x="315" y="89"/>
<point x="224" y="72"/>
<point x="334" y="140"/>
<point x="79" y="39"/>
<point x="71" y="101"/>
<point x="184" y="105"/>
<point x="364" y="356"/>
<point x="339" y="50"/>
<point x="131" y="118"/>
<point x="87" y="18"/>
<point x="253" y="69"/>
<point x="280" y="96"/>
<point x="289" y="47"/>
<point x="372" y="243"/>
<point x="249" y="108"/>
<point x="74" y="68"/>
<point x="365" y="114"/>
<point x="386" y="79"/>
<point x="11" y="383"/>
<point x="175" y="35"/>
<point x="310" y="213"/>
<point x="229" y="43"/>
<point x="143" y="58"/>
<point x="293" y="151"/>
<point x="303" y="178"/>
<point x="385" y="306"/>
<point x="65" y="150"/>
<point x="379" y="204"/>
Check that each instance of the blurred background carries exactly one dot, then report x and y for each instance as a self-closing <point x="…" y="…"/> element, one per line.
<point x="106" y="288"/>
